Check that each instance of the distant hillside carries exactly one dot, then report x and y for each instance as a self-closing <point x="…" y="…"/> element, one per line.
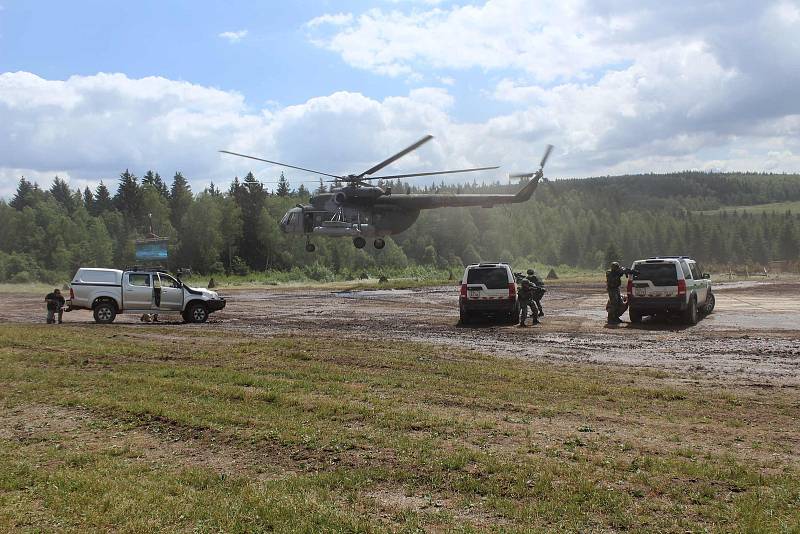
<point x="694" y="191"/>
<point x="45" y="234"/>
<point x="773" y="207"/>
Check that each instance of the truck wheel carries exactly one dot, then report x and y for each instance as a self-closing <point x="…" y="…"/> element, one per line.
<point x="196" y="313"/>
<point x="635" y="316"/>
<point x="464" y="317"/>
<point x="105" y="312"/>
<point x="690" y="315"/>
<point x="710" y="303"/>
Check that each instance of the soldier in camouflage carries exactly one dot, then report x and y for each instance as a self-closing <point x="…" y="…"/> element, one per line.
<point x="525" y="299"/>
<point x="615" y="306"/>
<point x="538" y="290"/>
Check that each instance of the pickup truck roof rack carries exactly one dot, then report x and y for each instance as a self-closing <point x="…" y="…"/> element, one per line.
<point x="669" y="258"/>
<point x="147" y="269"/>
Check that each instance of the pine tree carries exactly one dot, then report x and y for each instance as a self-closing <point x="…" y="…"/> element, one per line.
<point x="570" y="248"/>
<point x="250" y="197"/>
<point x="62" y="194"/>
<point x="234" y="189"/>
<point x="213" y="190"/>
<point x="180" y="199"/>
<point x="128" y="197"/>
<point x="24" y="196"/>
<point x="154" y="180"/>
<point x="321" y="188"/>
<point x="787" y="241"/>
<point x="102" y="200"/>
<point x="283" y="187"/>
<point x="88" y="200"/>
<point x="612" y="254"/>
<point x="302" y="192"/>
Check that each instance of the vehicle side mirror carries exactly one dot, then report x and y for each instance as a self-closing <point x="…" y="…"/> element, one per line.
<point x="706" y="275"/>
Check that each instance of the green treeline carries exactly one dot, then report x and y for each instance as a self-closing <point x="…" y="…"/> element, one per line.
<point x="48" y="234"/>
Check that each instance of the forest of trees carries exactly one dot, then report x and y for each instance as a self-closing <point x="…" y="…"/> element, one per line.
<point x="45" y="234"/>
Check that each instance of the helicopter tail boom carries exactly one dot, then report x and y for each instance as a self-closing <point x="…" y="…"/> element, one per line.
<point x="426" y="201"/>
<point x="525" y="194"/>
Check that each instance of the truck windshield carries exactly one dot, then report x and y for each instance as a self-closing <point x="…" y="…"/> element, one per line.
<point x="492" y="277"/>
<point x="661" y="274"/>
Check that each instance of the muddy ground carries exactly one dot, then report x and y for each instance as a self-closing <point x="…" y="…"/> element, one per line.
<point x="752" y="338"/>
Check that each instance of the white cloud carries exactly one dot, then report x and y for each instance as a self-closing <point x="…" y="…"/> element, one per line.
<point x="666" y="112"/>
<point x="233" y="37"/>
<point x="88" y="128"/>
<point x="339" y="19"/>
<point x="617" y="85"/>
<point x="549" y="40"/>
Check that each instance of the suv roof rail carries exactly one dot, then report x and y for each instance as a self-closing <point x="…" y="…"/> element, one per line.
<point x="669" y="258"/>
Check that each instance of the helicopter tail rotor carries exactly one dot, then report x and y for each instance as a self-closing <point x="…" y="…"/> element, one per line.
<point x="546" y="155"/>
<point x="540" y="173"/>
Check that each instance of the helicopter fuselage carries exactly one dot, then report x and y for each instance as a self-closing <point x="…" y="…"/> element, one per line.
<point x="349" y="212"/>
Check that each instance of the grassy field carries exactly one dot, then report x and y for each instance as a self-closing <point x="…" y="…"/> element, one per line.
<point x="777" y="207"/>
<point x="140" y="429"/>
<point x="38" y="288"/>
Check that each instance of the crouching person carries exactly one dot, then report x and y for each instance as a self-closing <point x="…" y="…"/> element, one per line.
<point x="55" y="306"/>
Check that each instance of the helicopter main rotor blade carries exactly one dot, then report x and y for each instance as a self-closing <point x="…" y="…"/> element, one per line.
<point x="278" y="163"/>
<point x="394" y="176"/>
<point x="547" y="152"/>
<point x="397" y="156"/>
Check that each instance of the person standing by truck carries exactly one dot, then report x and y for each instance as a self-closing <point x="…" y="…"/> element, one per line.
<point x="525" y="299"/>
<point x="538" y="290"/>
<point x="55" y="306"/>
<point x="615" y="305"/>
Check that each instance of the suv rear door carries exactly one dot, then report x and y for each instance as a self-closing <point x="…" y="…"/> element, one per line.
<point x="655" y="279"/>
<point x="488" y="282"/>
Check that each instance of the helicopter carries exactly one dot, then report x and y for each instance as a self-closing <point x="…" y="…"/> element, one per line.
<point x="361" y="210"/>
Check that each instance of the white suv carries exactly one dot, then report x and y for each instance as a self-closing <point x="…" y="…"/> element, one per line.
<point x="488" y="289"/>
<point x="669" y="285"/>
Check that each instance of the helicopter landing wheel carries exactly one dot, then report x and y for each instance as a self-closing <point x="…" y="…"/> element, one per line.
<point x="359" y="242"/>
<point x="310" y="247"/>
<point x="379" y="243"/>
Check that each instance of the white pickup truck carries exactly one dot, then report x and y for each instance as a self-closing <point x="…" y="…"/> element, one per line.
<point x="108" y="292"/>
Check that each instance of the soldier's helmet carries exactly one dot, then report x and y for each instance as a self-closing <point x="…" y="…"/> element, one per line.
<point x="526" y="282"/>
<point x="531" y="272"/>
<point x="614" y="265"/>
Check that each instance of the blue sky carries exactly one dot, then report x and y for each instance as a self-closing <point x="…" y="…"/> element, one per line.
<point x="90" y="88"/>
<point x="180" y="40"/>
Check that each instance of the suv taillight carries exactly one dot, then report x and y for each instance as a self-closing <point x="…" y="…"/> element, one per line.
<point x="512" y="290"/>
<point x="463" y="290"/>
<point x="681" y="288"/>
<point x="71" y="294"/>
<point x="630" y="288"/>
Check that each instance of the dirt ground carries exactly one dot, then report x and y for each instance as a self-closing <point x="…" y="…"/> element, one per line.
<point x="752" y="338"/>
